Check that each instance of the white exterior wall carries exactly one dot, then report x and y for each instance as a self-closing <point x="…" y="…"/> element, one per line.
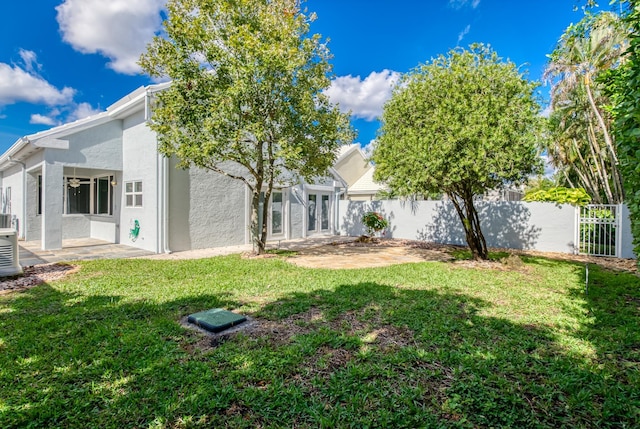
<point x="34" y="224"/>
<point x="206" y="209"/>
<point x="98" y="147"/>
<point x="139" y="163"/>
<point x="516" y="225"/>
<point x="626" y="248"/>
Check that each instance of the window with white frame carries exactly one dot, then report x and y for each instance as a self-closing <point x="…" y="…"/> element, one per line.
<point x="133" y="194"/>
<point x="85" y="195"/>
<point x="103" y="195"/>
<point x="78" y="195"/>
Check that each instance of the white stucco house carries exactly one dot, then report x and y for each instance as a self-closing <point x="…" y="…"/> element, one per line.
<point x="102" y="177"/>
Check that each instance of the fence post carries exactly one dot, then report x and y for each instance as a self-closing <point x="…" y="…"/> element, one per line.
<point x="576" y="229"/>
<point x="619" y="231"/>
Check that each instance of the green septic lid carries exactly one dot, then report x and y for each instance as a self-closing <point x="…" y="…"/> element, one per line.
<point x="216" y="319"/>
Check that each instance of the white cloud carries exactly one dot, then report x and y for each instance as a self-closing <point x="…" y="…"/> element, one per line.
<point x="363" y="97"/>
<point x="116" y="29"/>
<point x="549" y="169"/>
<point x="463" y="33"/>
<point x="546" y="112"/>
<point x="30" y="61"/>
<point x="69" y="113"/>
<point x="368" y="148"/>
<point x="81" y="111"/>
<point x="37" y="118"/>
<point x="459" y="4"/>
<point x="17" y="84"/>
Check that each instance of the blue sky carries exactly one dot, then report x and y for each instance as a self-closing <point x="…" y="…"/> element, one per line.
<point x="62" y="60"/>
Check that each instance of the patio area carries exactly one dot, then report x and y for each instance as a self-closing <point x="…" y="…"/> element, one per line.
<point x="31" y="252"/>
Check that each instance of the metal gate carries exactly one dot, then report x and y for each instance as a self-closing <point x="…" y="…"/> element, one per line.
<point x="599" y="230"/>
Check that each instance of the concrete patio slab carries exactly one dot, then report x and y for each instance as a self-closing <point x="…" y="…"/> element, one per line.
<point x="31" y="252"/>
<point x="89" y="248"/>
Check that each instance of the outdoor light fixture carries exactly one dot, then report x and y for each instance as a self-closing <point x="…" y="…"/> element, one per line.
<point x="114" y="182"/>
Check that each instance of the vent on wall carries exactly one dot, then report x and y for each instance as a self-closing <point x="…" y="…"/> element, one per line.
<point x="9" y="264"/>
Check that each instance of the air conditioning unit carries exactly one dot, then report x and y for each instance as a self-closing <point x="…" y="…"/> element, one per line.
<point x="5" y="220"/>
<point x="9" y="263"/>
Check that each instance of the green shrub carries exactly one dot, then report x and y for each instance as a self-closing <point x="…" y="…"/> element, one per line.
<point x="561" y="195"/>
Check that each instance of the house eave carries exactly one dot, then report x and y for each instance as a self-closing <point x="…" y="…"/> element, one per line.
<point x="134" y="101"/>
<point x="51" y="138"/>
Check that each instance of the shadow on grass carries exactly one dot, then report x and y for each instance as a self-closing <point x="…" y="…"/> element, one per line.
<point x="362" y="354"/>
<point x="71" y="360"/>
<point x="471" y="370"/>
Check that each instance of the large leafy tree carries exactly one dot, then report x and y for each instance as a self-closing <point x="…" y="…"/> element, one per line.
<point x="246" y="98"/>
<point x="624" y="88"/>
<point x="582" y="144"/>
<point x="462" y="124"/>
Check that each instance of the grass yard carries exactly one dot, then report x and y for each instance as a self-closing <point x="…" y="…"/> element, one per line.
<point x="419" y="345"/>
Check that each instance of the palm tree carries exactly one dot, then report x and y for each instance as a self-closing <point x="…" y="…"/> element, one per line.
<point x="582" y="142"/>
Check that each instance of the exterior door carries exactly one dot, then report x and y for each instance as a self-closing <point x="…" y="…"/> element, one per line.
<point x="318" y="212"/>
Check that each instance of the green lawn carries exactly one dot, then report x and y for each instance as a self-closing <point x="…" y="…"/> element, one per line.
<point x="418" y="345"/>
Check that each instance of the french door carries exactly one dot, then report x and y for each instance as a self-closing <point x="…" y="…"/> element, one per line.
<point x="318" y="212"/>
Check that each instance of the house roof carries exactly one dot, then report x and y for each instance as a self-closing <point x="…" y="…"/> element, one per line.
<point x="51" y="138"/>
<point x="345" y="150"/>
<point x="365" y="184"/>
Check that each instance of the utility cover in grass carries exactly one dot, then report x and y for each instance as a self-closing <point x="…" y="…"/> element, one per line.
<point x="216" y="319"/>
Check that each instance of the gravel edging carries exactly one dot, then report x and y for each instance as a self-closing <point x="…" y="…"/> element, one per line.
<point x="36" y="274"/>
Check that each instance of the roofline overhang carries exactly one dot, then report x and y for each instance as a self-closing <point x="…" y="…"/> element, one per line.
<point x="53" y="138"/>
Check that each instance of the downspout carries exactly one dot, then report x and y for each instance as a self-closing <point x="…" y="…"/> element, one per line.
<point x="23" y="220"/>
<point x="165" y="205"/>
<point x="336" y="222"/>
<point x="162" y="191"/>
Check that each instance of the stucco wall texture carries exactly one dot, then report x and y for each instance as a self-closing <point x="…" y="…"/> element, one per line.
<point x="206" y="209"/>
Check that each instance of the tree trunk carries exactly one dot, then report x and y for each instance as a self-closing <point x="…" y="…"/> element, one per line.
<point x="265" y="217"/>
<point x="463" y="202"/>
<point x="256" y="227"/>
<point x="603" y="126"/>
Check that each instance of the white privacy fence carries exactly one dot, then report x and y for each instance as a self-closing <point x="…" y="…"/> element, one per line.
<point x="547" y="227"/>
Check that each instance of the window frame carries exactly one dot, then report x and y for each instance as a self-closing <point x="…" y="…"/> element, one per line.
<point x="93" y="188"/>
<point x="135" y="192"/>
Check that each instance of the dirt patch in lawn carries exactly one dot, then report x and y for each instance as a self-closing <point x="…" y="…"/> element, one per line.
<point x="371" y="329"/>
<point x="384" y="252"/>
<point x="376" y="253"/>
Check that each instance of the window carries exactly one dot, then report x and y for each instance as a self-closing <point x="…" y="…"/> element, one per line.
<point x="275" y="217"/>
<point x="133" y="194"/>
<point x="78" y="195"/>
<point x="103" y="193"/>
<point x="276" y="212"/>
<point x="324" y="213"/>
<point x="84" y="195"/>
<point x="311" y="212"/>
